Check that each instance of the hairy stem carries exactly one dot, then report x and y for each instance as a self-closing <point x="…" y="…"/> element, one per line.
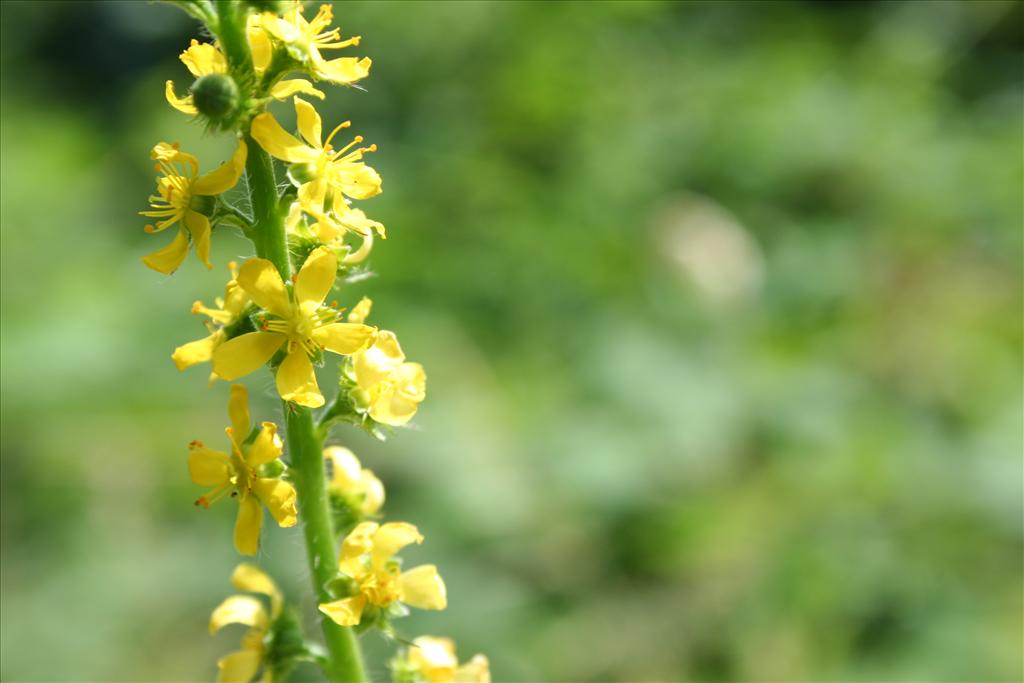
<point x="304" y="444"/>
<point x="268" y="223"/>
<point x="314" y="512"/>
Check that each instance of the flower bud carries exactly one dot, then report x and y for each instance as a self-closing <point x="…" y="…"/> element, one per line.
<point x="215" y="96"/>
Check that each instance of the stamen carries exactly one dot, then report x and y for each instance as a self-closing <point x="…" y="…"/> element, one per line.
<point x="343" y="124"/>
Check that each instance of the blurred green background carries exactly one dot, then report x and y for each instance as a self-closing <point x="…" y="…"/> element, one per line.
<point x="720" y="305"/>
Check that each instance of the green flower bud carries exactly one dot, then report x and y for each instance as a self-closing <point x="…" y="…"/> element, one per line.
<point x="215" y="96"/>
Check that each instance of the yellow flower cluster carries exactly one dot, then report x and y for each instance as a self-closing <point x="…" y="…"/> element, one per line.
<point x="274" y="313"/>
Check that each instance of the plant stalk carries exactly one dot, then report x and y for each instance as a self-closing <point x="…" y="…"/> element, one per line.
<point x="345" y="663"/>
<point x="307" y="466"/>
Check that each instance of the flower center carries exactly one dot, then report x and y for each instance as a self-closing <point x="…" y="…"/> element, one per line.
<point x="301" y="328"/>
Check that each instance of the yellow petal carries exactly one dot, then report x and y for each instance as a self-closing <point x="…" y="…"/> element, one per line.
<point x="391" y="538"/>
<point x="259" y="43"/>
<point x="261" y="281"/>
<point x="378" y="362"/>
<point x="344" y="338"/>
<point x="315" y="279"/>
<point x="311" y="196"/>
<point x="422" y="587"/>
<point x="199" y="227"/>
<point x="238" y="411"/>
<point x="361" y="311"/>
<point x="433" y="658"/>
<point x="344" y="69"/>
<point x="296" y="380"/>
<point x="239" y="666"/>
<point x="247" y="526"/>
<point x="182" y="104"/>
<point x="166" y="151"/>
<point x="433" y="654"/>
<point x="373" y="492"/>
<point x="308" y="121"/>
<point x="278" y="142"/>
<point x="249" y="577"/>
<point x="208" y="467"/>
<point x="360" y="254"/>
<point x="281" y="29"/>
<point x="198" y="351"/>
<point x="225" y="176"/>
<point x="238" y="609"/>
<point x="391" y="408"/>
<point x="239" y="356"/>
<point x="358" y="542"/>
<point x="279" y="498"/>
<point x="282" y="90"/>
<point x="356" y="221"/>
<point x="345" y="467"/>
<point x="476" y="670"/>
<point x="168" y="259"/>
<point x="361" y="182"/>
<point x="203" y="59"/>
<point x="396" y="401"/>
<point x="266" y="448"/>
<point x="346" y="612"/>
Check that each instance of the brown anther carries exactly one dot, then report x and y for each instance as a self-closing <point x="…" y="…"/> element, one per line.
<point x="196" y="444"/>
<point x="150" y="229"/>
<point x="201" y="501"/>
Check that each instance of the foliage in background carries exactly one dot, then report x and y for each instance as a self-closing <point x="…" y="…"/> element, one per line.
<point x="722" y="309"/>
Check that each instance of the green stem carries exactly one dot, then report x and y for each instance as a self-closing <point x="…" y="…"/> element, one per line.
<point x="307" y="462"/>
<point x="233" y="41"/>
<point x="268" y="223"/>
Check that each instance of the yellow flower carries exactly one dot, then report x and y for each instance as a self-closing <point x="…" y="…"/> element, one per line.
<point x="433" y="660"/>
<point x="180" y="193"/>
<point x="242" y="665"/>
<point x="366" y="558"/>
<point x="204" y="59"/>
<point x="391" y="389"/>
<point x="304" y="40"/>
<point x="300" y="323"/>
<point x="350" y="478"/>
<point x="324" y="176"/>
<point x="227" y="312"/>
<point x="239" y="474"/>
